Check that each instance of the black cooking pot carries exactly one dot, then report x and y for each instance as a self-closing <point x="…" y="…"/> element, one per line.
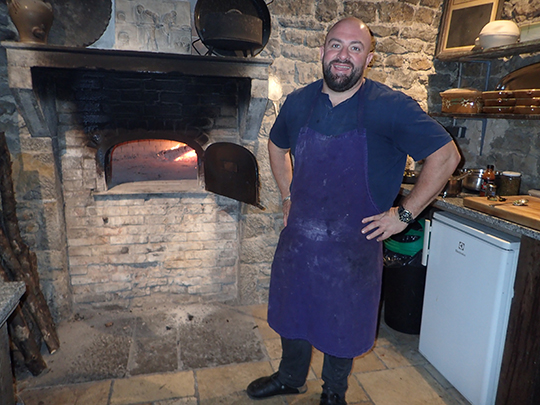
<point x="233" y="27"/>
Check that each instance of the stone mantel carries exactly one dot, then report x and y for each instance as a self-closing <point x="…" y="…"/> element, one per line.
<point x="36" y="106"/>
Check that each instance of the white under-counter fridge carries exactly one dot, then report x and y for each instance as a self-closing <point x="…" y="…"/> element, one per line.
<point x="469" y="288"/>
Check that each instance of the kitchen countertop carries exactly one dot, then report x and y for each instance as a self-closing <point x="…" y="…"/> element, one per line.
<point x="455" y="205"/>
<point x="10" y="293"/>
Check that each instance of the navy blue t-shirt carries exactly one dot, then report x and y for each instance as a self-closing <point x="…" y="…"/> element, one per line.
<point x="395" y="126"/>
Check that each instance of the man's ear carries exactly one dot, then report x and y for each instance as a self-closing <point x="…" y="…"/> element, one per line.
<point x="321" y="51"/>
<point x="369" y="58"/>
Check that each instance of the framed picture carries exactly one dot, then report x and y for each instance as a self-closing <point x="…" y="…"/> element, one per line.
<point x="462" y="21"/>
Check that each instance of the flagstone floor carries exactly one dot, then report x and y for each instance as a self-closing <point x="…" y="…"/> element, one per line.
<point x="393" y="373"/>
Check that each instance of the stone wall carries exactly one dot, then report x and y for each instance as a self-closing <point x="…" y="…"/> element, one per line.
<point x="406" y="33"/>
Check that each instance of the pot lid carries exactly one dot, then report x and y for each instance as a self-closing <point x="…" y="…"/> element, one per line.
<point x="462" y="92"/>
<point x="247" y="8"/>
<point x="527" y="77"/>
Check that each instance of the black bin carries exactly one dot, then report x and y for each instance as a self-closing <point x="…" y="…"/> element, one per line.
<point x="404" y="279"/>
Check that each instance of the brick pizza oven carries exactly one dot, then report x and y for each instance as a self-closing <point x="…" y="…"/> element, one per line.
<point x="154" y="156"/>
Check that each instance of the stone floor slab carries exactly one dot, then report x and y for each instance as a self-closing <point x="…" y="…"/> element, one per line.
<point x="91" y="349"/>
<point x="156" y="387"/>
<point x="218" y="337"/>
<point x="180" y="401"/>
<point x="368" y="362"/>
<point x="403" y="386"/>
<point x="399" y="356"/>
<point x="150" y="355"/>
<point x="228" y="380"/>
<point x="273" y="348"/>
<point x="96" y="393"/>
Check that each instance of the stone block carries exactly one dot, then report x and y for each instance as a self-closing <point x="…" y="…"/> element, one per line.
<point x="128" y="239"/>
<point x="204" y="289"/>
<point x="256" y="250"/>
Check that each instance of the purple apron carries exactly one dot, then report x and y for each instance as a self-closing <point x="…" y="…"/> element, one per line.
<point x="326" y="276"/>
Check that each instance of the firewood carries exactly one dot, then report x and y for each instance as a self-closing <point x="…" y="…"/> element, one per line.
<point x="22" y="336"/>
<point x="19" y="260"/>
<point x="33" y="297"/>
<point x="9" y="208"/>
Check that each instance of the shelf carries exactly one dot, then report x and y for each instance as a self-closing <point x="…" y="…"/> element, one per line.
<point x="484" y="116"/>
<point x="492" y="53"/>
<point x="486" y="56"/>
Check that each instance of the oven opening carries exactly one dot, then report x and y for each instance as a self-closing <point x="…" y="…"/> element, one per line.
<point x="150" y="160"/>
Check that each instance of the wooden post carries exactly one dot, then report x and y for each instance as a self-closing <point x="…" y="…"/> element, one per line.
<point x="6" y="376"/>
<point x="519" y="381"/>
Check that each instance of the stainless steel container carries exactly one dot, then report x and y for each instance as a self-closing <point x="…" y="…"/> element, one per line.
<point x="473" y="181"/>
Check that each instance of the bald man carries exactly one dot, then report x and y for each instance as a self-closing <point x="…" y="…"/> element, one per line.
<point x="349" y="137"/>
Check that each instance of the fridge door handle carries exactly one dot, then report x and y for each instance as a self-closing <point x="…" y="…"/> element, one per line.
<point x="427" y="235"/>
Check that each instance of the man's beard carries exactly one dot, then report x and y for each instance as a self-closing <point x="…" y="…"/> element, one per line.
<point x="341" y="83"/>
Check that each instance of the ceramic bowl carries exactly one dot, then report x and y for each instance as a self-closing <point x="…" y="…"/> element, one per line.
<point x="499" y="33"/>
<point x="496" y="40"/>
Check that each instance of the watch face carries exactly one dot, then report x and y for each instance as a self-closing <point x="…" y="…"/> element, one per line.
<point x="404" y="215"/>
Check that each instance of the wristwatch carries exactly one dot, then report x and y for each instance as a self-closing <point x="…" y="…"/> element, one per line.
<point x="405" y="215"/>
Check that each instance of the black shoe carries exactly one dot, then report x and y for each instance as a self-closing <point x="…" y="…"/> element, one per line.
<point x="265" y="387"/>
<point x="331" y="398"/>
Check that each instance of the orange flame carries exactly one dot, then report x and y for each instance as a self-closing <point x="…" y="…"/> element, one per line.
<point x="189" y="155"/>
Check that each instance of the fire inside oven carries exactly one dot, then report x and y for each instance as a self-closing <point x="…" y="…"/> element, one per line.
<point x="151" y="160"/>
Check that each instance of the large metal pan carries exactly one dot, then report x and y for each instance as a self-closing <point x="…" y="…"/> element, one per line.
<point x="79" y="23"/>
<point x="233" y="27"/>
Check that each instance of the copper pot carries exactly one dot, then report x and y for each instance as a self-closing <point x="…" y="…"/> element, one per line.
<point x="452" y="189"/>
<point x="454" y="184"/>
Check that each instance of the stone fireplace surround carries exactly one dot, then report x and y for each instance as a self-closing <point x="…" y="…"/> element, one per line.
<point x="148" y="239"/>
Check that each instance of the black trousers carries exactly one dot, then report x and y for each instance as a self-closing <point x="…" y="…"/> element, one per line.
<point x="295" y="361"/>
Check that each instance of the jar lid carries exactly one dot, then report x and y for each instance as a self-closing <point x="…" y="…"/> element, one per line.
<point x="511" y="174"/>
<point x="462" y="92"/>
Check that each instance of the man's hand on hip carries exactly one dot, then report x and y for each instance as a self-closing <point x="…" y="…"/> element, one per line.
<point x="384" y="225"/>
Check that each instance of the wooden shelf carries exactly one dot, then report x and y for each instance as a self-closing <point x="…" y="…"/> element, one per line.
<point x="485" y="116"/>
<point x="492" y="53"/>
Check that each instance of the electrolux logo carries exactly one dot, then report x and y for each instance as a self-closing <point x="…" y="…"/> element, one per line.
<point x="461" y="248"/>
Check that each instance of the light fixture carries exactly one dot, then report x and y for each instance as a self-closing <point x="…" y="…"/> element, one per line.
<point x="275" y="91"/>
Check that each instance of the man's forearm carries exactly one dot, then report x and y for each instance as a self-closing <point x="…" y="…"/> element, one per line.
<point x="435" y="173"/>
<point x="280" y="162"/>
